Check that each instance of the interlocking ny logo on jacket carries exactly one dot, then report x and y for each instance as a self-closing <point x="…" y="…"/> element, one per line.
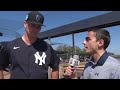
<point x="39" y="58"/>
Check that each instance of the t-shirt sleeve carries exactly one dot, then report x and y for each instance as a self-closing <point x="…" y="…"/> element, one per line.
<point x="4" y="61"/>
<point x="54" y="59"/>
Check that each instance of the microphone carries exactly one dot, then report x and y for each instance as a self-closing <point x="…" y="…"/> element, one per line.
<point x="73" y="62"/>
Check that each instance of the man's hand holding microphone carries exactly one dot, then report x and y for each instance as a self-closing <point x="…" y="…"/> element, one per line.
<point x="73" y="63"/>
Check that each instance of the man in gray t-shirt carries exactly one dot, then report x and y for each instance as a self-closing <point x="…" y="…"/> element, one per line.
<point x="101" y="65"/>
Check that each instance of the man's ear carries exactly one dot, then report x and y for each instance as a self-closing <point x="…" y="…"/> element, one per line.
<point x="25" y="24"/>
<point x="101" y="42"/>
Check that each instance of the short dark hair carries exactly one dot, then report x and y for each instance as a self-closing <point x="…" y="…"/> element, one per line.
<point x="102" y="34"/>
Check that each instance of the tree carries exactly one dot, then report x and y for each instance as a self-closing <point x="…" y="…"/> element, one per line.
<point x="110" y="53"/>
<point x="69" y="49"/>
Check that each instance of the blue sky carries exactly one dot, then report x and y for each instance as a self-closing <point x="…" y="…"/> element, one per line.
<point x="12" y="22"/>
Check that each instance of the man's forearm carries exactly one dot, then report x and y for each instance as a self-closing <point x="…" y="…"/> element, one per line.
<point x="1" y="74"/>
<point x="72" y="76"/>
<point x="55" y="74"/>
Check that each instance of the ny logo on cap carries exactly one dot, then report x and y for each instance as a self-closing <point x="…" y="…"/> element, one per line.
<point x="37" y="17"/>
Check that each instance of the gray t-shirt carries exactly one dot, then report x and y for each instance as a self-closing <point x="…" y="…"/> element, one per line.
<point x="106" y="68"/>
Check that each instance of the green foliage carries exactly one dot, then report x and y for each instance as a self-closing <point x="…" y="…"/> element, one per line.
<point x="116" y="56"/>
<point x="81" y="52"/>
<point x="69" y="50"/>
<point x="110" y="53"/>
<point x="113" y="55"/>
